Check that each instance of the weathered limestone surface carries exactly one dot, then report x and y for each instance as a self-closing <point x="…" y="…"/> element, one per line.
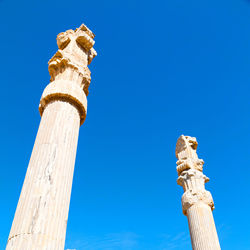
<point x="197" y="203"/>
<point x="41" y="216"/>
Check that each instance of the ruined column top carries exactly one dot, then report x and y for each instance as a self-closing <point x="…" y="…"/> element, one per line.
<point x="191" y="177"/>
<point x="74" y="43"/>
<point x="68" y="68"/>
<point x="75" y="51"/>
<point x="186" y="154"/>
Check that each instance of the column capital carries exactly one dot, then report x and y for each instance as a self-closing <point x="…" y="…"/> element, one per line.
<point x="185" y="152"/>
<point x="191" y="178"/>
<point x="193" y="183"/>
<point x="75" y="53"/>
<point x="68" y="68"/>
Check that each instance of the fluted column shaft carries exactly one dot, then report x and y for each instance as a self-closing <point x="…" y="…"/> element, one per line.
<point x="46" y="190"/>
<point x="197" y="205"/>
<point x="202" y="228"/>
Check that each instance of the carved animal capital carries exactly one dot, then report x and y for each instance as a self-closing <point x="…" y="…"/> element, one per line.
<point x="68" y="68"/>
<point x="75" y="53"/>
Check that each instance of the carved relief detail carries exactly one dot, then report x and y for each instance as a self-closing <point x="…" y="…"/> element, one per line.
<point x="189" y="164"/>
<point x="193" y="183"/>
<point x="61" y="68"/>
<point x="186" y="154"/>
<point x="74" y="55"/>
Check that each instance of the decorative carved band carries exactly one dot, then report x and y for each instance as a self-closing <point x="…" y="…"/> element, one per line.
<point x="58" y="64"/>
<point x="65" y="91"/>
<point x="193" y="183"/>
<point x="192" y="179"/>
<point x="189" y="164"/>
<point x="191" y="198"/>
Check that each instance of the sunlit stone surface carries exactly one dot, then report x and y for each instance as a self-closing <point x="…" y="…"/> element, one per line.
<point x="41" y="216"/>
<point x="197" y="203"/>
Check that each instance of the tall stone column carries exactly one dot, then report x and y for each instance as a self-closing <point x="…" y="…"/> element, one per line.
<point x="41" y="216"/>
<point x="197" y="203"/>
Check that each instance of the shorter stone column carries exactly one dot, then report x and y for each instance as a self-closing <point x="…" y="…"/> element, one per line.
<point x="197" y="203"/>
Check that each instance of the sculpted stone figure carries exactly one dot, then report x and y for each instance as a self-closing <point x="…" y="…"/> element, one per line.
<point x="186" y="154"/>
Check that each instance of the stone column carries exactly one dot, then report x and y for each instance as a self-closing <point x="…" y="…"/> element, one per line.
<point x="197" y="203"/>
<point x="41" y="216"/>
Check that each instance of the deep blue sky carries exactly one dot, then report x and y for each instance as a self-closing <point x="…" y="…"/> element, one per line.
<point x="164" y="68"/>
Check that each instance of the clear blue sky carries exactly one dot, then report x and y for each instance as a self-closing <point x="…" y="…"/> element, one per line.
<point x="164" y="68"/>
